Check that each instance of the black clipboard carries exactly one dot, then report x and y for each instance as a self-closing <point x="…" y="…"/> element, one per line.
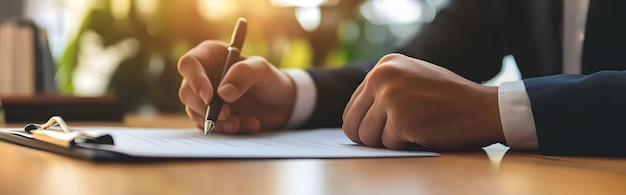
<point x="89" y="154"/>
<point x="25" y="137"/>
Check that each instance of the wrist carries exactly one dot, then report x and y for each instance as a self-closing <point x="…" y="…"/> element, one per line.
<point x="304" y="97"/>
<point x="492" y="115"/>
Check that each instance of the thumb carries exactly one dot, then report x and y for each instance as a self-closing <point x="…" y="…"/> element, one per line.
<point x="242" y="75"/>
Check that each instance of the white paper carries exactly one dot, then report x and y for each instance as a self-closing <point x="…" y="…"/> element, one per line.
<point x="191" y="143"/>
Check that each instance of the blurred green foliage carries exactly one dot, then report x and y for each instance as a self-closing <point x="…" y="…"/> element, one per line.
<point x="174" y="27"/>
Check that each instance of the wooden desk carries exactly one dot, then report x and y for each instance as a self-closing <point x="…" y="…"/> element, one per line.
<point x="28" y="171"/>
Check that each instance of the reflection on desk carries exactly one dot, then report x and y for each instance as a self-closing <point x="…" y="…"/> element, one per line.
<point x="493" y="170"/>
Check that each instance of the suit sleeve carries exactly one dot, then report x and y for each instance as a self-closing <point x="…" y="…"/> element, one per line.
<point x="334" y="89"/>
<point x="464" y="37"/>
<point x="580" y="115"/>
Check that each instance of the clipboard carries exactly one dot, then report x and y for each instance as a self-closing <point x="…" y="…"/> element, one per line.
<point x="142" y="144"/>
<point x="55" y="136"/>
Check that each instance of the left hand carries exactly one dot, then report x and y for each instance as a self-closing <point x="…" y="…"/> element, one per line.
<point x="405" y="100"/>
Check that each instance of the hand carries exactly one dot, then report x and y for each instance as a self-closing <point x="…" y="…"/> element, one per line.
<point x="405" y="100"/>
<point x="257" y="95"/>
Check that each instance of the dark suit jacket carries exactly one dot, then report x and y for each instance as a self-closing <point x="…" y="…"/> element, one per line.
<point x="574" y="115"/>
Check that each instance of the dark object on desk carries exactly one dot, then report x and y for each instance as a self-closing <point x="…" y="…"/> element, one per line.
<point x="26" y="65"/>
<point x="36" y="108"/>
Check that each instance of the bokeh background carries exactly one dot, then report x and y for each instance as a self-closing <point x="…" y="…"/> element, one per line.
<point x="130" y="48"/>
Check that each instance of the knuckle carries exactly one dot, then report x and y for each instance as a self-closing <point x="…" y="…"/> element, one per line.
<point x="195" y="79"/>
<point x="258" y="58"/>
<point x="385" y="71"/>
<point x="242" y="68"/>
<point x="185" y="93"/>
<point x="391" y="93"/>
<point x="391" y="57"/>
<point x="184" y="61"/>
<point x="260" y="64"/>
<point x="187" y="63"/>
<point x="240" y="75"/>
<point x="213" y="47"/>
<point x="181" y="92"/>
<point x="254" y="69"/>
<point x="205" y="47"/>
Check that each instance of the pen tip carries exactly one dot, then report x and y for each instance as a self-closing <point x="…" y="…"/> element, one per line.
<point x="208" y="126"/>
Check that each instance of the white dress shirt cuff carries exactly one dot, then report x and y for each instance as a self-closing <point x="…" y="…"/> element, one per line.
<point x="306" y="95"/>
<point x="518" y="124"/>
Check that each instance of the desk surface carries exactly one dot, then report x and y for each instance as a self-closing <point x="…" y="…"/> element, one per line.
<point x="489" y="171"/>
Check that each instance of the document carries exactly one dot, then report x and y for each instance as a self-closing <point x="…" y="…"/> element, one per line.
<point x="191" y="143"/>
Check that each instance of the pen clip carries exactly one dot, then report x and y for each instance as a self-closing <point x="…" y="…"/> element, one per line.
<point x="239" y="34"/>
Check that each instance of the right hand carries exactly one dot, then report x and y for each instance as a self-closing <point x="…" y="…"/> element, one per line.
<point x="257" y="95"/>
<point x="405" y="100"/>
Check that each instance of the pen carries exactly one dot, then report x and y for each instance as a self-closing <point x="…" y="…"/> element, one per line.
<point x="234" y="49"/>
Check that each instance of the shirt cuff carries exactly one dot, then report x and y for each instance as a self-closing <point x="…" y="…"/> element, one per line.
<point x="518" y="124"/>
<point x="306" y="95"/>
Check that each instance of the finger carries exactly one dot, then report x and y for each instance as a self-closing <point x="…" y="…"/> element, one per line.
<point x="253" y="71"/>
<point x="196" y="118"/>
<point x="195" y="106"/>
<point x="194" y="65"/>
<point x="354" y="115"/>
<point x="225" y="123"/>
<point x="355" y="94"/>
<point x="391" y="138"/>
<point x="190" y="98"/>
<point x="224" y="113"/>
<point x="239" y="125"/>
<point x="231" y="125"/>
<point x="249" y="125"/>
<point x="371" y="127"/>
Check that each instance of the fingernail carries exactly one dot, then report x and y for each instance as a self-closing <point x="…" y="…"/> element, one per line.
<point x="228" y="92"/>
<point x="205" y="95"/>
